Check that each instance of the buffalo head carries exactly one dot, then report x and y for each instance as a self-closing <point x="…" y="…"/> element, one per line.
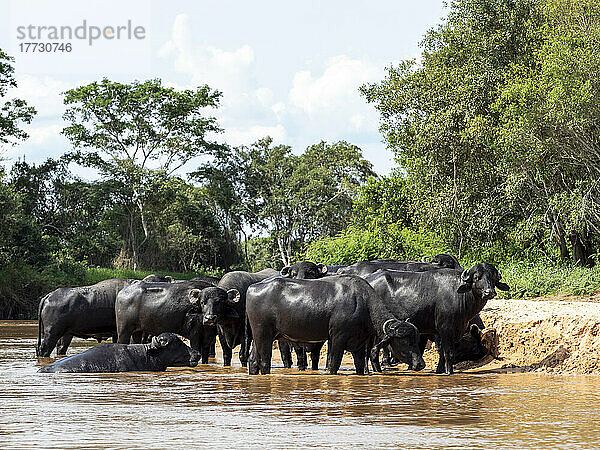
<point x="304" y="270"/>
<point x="172" y="351"/>
<point x="483" y="279"/>
<point x="403" y="339"/>
<point x="216" y="304"/>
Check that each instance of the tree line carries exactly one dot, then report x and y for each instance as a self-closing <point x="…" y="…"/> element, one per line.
<point x="495" y="130"/>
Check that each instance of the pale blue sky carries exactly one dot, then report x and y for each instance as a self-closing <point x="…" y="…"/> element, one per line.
<point x="289" y="70"/>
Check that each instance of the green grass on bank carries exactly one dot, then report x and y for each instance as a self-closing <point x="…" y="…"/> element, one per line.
<point x="528" y="279"/>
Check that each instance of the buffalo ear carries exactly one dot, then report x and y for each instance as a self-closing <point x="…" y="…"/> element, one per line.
<point x="285" y="271"/>
<point x="155" y="343"/>
<point x="464" y="288"/>
<point x="194" y="296"/>
<point x="233" y="296"/>
<point x="467" y="282"/>
<point x="169" y="279"/>
<point x="475" y="331"/>
<point x="322" y="268"/>
<point x="502" y="286"/>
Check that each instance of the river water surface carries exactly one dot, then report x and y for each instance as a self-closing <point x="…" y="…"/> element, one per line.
<point x="224" y="407"/>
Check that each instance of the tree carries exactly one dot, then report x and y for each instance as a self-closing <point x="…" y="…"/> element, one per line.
<point x="13" y="112"/>
<point x="128" y="131"/>
<point x="266" y="188"/>
<point x="550" y="127"/>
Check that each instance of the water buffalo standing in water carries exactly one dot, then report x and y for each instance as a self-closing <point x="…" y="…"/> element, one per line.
<point x="85" y="312"/>
<point x="149" y="309"/>
<point x="304" y="270"/>
<point x="233" y="333"/>
<point x="163" y="351"/>
<point x="440" y="303"/>
<point x="343" y="310"/>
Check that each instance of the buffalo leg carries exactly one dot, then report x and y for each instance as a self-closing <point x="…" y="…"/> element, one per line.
<point x="336" y="353"/>
<point x="63" y="344"/>
<point x="115" y="338"/>
<point x="209" y="337"/>
<point x="359" y="357"/>
<point x="227" y="352"/>
<point x="286" y="353"/>
<point x="301" y="360"/>
<point x="446" y="351"/>
<point x="49" y="340"/>
<point x="315" y="355"/>
<point x="245" y="347"/>
<point x="137" y="338"/>
<point x="263" y="344"/>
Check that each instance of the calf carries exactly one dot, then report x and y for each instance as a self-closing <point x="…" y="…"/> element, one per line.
<point x="341" y="309"/>
<point x="439" y="303"/>
<point x="163" y="351"/>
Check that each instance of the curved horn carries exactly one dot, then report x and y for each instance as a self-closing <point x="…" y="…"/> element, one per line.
<point x="155" y="343"/>
<point x="424" y="259"/>
<point x="465" y="276"/>
<point x="233" y="296"/>
<point x="386" y="326"/>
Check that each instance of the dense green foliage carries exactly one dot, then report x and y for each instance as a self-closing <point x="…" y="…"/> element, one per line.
<point x="497" y="128"/>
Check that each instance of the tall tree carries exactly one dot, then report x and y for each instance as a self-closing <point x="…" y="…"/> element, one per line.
<point x="293" y="198"/>
<point x="128" y="131"/>
<point x="13" y="112"/>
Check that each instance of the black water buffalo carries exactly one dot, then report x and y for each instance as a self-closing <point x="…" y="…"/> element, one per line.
<point x="233" y="333"/>
<point x="154" y="278"/>
<point x="477" y="343"/>
<point x="305" y="270"/>
<point x="85" y="312"/>
<point x="154" y="308"/>
<point x="440" y="303"/>
<point x="366" y="268"/>
<point x="163" y="351"/>
<point x="343" y="310"/>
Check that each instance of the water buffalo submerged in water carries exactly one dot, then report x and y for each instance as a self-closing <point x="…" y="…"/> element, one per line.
<point x="163" y="351"/>
<point x="154" y="308"/>
<point x="341" y="309"/>
<point x="440" y="302"/>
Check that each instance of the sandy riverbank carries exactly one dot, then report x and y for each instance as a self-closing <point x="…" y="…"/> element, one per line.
<point x="541" y="335"/>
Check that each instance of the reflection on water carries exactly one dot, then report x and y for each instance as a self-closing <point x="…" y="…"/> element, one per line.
<point x="226" y="407"/>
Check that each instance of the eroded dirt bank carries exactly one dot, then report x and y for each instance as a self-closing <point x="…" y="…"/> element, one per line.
<point x="548" y="336"/>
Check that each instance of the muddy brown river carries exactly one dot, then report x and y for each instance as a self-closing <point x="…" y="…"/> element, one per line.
<point x="225" y="407"/>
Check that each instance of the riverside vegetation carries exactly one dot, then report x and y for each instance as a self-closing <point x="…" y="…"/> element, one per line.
<point x="495" y="131"/>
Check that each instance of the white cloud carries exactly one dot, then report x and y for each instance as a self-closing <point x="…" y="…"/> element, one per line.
<point x="335" y="89"/>
<point x="250" y="134"/>
<point x="315" y="106"/>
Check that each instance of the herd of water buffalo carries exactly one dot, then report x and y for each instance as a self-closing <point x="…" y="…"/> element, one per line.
<point x="389" y="305"/>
